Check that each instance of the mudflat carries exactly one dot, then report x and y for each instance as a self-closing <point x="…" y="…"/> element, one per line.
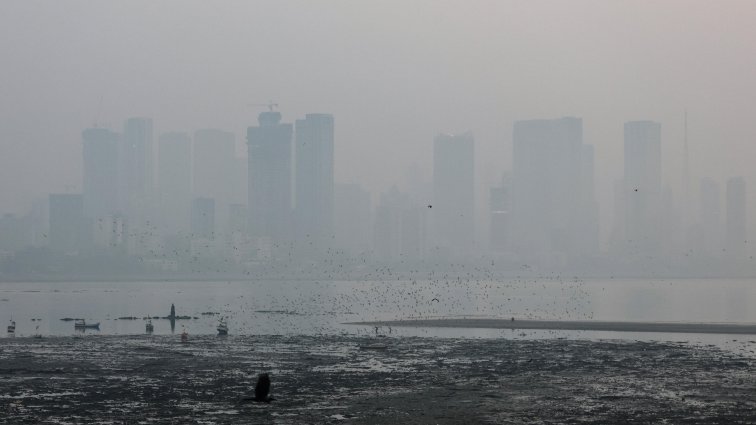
<point x="371" y="380"/>
<point x="572" y="325"/>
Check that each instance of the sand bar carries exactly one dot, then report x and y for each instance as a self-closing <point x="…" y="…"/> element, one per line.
<point x="572" y="325"/>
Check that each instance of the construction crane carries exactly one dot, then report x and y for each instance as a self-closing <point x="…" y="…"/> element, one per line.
<point x="270" y="105"/>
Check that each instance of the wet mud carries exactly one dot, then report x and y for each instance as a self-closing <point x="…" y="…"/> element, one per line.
<point x="571" y="325"/>
<point x="361" y="380"/>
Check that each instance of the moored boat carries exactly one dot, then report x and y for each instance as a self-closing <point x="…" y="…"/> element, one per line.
<point x="149" y="327"/>
<point x="82" y="324"/>
<point x="222" y="327"/>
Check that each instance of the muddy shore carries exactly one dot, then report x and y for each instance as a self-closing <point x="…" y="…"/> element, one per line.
<point x="572" y="325"/>
<point x="360" y="380"/>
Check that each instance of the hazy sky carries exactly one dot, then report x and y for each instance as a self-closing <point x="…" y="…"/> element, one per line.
<point x="394" y="74"/>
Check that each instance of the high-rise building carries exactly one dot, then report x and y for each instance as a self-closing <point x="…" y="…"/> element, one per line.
<point x="269" y="173"/>
<point x="70" y="230"/>
<point x="551" y="187"/>
<point x="237" y="219"/>
<point x="237" y="241"/>
<point x="314" y="179"/>
<point x="100" y="172"/>
<point x="203" y="218"/>
<point x="111" y="234"/>
<point x="643" y="188"/>
<point x="240" y="182"/>
<point x="175" y="182"/>
<point x="214" y="156"/>
<point x="453" y="206"/>
<point x="736" y="235"/>
<point x="136" y="168"/>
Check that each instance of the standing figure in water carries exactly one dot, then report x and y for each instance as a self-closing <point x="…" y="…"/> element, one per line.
<point x="172" y="318"/>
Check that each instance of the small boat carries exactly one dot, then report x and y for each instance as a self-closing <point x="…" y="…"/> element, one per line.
<point x="184" y="336"/>
<point x="222" y="327"/>
<point x="149" y="327"/>
<point x="12" y="327"/>
<point x="82" y="324"/>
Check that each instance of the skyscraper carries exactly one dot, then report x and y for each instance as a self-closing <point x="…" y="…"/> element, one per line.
<point x="203" y="218"/>
<point x="550" y="188"/>
<point x="136" y="168"/>
<point x="100" y="172"/>
<point x="269" y="173"/>
<point x="736" y="235"/>
<point x="214" y="155"/>
<point x="314" y="179"/>
<point x="175" y="181"/>
<point x="643" y="188"/>
<point x="454" y="192"/>
<point x="239" y="195"/>
<point x="110" y="234"/>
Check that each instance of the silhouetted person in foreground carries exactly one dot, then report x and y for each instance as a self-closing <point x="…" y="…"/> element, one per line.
<point x="262" y="389"/>
<point x="172" y="318"/>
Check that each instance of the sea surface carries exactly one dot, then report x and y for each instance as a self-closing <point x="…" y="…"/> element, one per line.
<point x="325" y="307"/>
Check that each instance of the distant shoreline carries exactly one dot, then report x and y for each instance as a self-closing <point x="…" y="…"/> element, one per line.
<point x="572" y="325"/>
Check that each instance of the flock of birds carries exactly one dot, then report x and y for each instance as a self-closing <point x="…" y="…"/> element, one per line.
<point x="322" y="306"/>
<point x="289" y="297"/>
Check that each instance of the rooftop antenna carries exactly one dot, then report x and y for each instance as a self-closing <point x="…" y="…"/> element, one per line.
<point x="270" y="105"/>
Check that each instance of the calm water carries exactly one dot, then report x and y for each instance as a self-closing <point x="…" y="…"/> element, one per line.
<point x="280" y="307"/>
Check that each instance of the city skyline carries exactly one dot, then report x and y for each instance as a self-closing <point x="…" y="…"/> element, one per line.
<point x="381" y="211"/>
<point x="607" y="217"/>
<point x="494" y="67"/>
<point x="548" y="192"/>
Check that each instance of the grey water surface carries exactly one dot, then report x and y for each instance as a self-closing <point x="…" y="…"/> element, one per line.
<point x="311" y="308"/>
